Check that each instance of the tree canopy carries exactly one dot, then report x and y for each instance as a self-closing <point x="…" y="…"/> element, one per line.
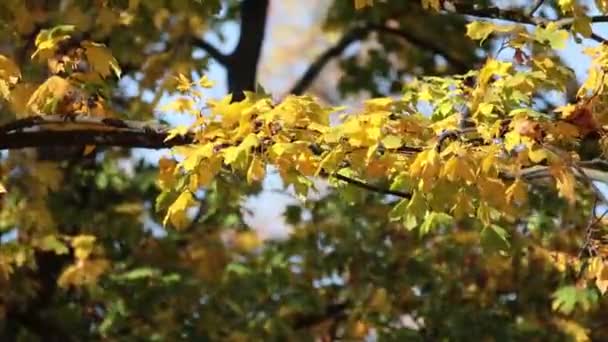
<point x="453" y="193"/>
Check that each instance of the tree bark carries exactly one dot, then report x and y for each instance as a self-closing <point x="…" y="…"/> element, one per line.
<point x="242" y="64"/>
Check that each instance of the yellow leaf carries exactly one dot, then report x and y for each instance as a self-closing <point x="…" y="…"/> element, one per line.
<point x="426" y="166"/>
<point x="577" y="332"/>
<point x="101" y="60"/>
<point x="517" y="192"/>
<point x="463" y="206"/>
<point x="20" y="94"/>
<point x="247" y="241"/>
<point x="481" y="30"/>
<point x="88" y="149"/>
<point x="183" y="83"/>
<point x="597" y="270"/>
<point x="177" y="212"/>
<point x="181" y="105"/>
<point x="493" y="68"/>
<point x="381" y="103"/>
<point x="204" y="175"/>
<point x="130" y="208"/>
<point x="456" y="168"/>
<point x="229" y="112"/>
<point x="392" y="141"/>
<point x="565" y="182"/>
<point x="488" y="188"/>
<point x="166" y="172"/>
<point x="359" y="4"/>
<point x="257" y="170"/>
<point x="9" y="71"/>
<point x="84" y="272"/>
<point x="177" y="131"/>
<point x="194" y="154"/>
<point x="552" y="34"/>
<point x="47" y="41"/>
<point x="433" y="4"/>
<point x="83" y="246"/>
<point x="205" y="82"/>
<point x="53" y="90"/>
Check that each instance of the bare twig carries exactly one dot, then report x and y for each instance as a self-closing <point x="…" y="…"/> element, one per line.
<point x="355" y="34"/>
<point x="371" y="187"/>
<point x="359" y="33"/>
<point x="536" y="7"/>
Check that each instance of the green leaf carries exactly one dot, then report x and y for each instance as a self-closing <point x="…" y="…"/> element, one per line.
<point x="435" y="220"/>
<point x="495" y="238"/>
<point x="139" y="273"/>
<point x="568" y="298"/>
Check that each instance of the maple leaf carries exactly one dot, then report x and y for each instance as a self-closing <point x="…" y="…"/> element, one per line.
<point x="9" y="75"/>
<point x="257" y="170"/>
<point x="100" y="59"/>
<point x="83" y="246"/>
<point x="50" y="94"/>
<point x="47" y="41"/>
<point x="481" y="30"/>
<point x="552" y="34"/>
<point x="359" y="4"/>
<point x="517" y="192"/>
<point x="177" y="212"/>
<point x="565" y="181"/>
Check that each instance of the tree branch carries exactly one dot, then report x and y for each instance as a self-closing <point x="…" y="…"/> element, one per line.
<point x="210" y="50"/>
<point x="355" y="34"/>
<point x="242" y="63"/>
<point x="429" y="45"/>
<point x="520" y="17"/>
<point x="360" y="33"/>
<point x="536" y="7"/>
<point x="371" y="187"/>
<point x="54" y="130"/>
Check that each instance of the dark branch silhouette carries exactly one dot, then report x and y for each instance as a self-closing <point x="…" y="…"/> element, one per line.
<point x="211" y="50"/>
<point x="242" y="64"/>
<point x="360" y="33"/>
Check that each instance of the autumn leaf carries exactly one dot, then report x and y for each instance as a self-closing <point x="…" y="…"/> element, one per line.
<point x="101" y="60"/>
<point x="552" y="34"/>
<point x="83" y="246"/>
<point x="359" y="4"/>
<point x="257" y="170"/>
<point x="177" y="212"/>
<point x="9" y="75"/>
<point x="517" y="192"/>
<point x="565" y="182"/>
<point x="47" y="41"/>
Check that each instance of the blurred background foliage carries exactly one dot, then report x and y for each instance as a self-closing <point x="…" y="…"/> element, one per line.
<point x="84" y="256"/>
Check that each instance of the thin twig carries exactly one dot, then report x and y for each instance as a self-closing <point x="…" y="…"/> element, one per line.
<point x="371" y="187"/>
<point x="359" y="33"/>
<point x="536" y="7"/>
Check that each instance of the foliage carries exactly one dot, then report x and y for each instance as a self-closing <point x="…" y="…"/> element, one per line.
<point x="462" y="205"/>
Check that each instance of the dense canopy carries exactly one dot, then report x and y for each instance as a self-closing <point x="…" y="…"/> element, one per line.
<point x="450" y="187"/>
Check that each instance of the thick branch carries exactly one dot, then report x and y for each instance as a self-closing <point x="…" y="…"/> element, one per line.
<point x="82" y="137"/>
<point x="243" y="62"/>
<point x="54" y="130"/>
